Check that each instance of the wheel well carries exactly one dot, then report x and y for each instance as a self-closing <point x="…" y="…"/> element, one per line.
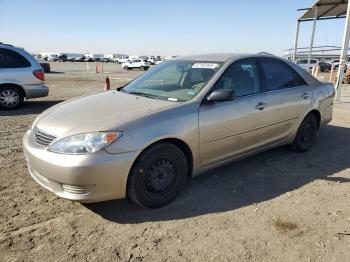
<point x="15" y="85"/>
<point x="317" y="115"/>
<point x="182" y="146"/>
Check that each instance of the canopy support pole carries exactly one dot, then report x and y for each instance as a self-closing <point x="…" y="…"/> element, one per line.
<point x="343" y="56"/>
<point x="312" y="39"/>
<point x="296" y="42"/>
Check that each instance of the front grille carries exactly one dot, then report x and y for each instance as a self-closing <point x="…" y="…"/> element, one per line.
<point x="43" y="138"/>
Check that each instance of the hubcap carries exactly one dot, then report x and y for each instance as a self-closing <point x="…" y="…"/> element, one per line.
<point x="306" y="133"/>
<point x="160" y="176"/>
<point x="9" y="98"/>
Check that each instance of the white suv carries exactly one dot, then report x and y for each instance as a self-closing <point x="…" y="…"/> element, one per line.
<point x="136" y="63"/>
<point x="121" y="59"/>
<point x="21" y="76"/>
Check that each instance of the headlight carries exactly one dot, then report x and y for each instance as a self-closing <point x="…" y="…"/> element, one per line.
<point x="84" y="143"/>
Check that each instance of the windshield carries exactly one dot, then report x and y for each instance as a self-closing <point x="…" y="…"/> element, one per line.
<point x="176" y="80"/>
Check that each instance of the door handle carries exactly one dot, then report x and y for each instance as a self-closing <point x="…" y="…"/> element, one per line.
<point x="260" y="106"/>
<point x="305" y="95"/>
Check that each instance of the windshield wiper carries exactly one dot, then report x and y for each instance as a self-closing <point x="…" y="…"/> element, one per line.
<point x="142" y="94"/>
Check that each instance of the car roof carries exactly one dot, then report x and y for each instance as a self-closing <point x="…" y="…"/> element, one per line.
<point x="220" y="57"/>
<point x="10" y="46"/>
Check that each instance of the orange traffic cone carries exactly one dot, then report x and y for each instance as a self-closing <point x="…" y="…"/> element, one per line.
<point x="317" y="71"/>
<point x="313" y="70"/>
<point x="347" y="71"/>
<point x="331" y="74"/>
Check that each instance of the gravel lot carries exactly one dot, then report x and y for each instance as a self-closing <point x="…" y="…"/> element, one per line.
<point x="275" y="206"/>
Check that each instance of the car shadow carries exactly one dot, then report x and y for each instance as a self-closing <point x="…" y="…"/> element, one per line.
<point x="246" y="182"/>
<point x="55" y="72"/>
<point x="30" y="108"/>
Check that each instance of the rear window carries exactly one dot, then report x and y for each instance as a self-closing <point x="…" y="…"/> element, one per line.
<point x="12" y="59"/>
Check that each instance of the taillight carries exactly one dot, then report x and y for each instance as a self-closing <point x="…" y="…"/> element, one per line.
<point x="39" y="74"/>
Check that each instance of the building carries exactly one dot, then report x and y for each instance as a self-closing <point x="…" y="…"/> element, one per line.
<point x="110" y="56"/>
<point x="89" y="55"/>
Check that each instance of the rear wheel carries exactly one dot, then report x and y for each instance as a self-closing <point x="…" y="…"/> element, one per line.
<point x="306" y="134"/>
<point x="157" y="176"/>
<point x="126" y="68"/>
<point x="10" y="97"/>
<point x="142" y="68"/>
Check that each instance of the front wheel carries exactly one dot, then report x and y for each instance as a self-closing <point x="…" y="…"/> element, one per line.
<point x="306" y="134"/>
<point x="157" y="176"/>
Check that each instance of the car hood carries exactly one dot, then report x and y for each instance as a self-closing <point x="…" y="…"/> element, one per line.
<point x="99" y="112"/>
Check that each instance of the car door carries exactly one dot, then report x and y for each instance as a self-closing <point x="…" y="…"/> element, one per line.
<point x="284" y="100"/>
<point x="226" y="128"/>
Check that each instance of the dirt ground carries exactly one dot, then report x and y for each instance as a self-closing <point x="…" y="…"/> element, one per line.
<point x="275" y="206"/>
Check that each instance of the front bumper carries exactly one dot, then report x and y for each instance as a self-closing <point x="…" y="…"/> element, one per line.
<point x="85" y="178"/>
<point x="35" y="91"/>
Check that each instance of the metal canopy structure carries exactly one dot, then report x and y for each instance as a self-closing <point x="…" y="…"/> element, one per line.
<point x="325" y="10"/>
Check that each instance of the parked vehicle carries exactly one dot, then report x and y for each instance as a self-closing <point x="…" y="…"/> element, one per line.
<point x="325" y="67"/>
<point x="52" y="58"/>
<point x="45" y="65"/>
<point x="158" y="62"/>
<point x="106" y="60"/>
<point x="121" y="59"/>
<point x="174" y="122"/>
<point x="336" y="63"/>
<point x="89" y="59"/>
<point x="136" y="63"/>
<point x="62" y="58"/>
<point x="152" y="60"/>
<point x="303" y="63"/>
<point x="21" y="76"/>
<point x="79" y="59"/>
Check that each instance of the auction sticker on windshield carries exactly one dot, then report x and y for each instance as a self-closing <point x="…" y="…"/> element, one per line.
<point x="205" y="65"/>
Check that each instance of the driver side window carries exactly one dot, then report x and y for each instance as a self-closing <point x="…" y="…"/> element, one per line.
<point x="242" y="77"/>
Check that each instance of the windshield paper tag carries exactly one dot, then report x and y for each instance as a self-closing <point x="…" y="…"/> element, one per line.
<point x="205" y="65"/>
<point x="172" y="99"/>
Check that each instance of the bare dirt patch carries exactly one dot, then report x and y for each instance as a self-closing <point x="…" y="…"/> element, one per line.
<point x="285" y="226"/>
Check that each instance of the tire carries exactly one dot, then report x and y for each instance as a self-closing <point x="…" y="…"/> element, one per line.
<point x="11" y="97"/>
<point x="126" y="68"/>
<point x="157" y="176"/>
<point x="306" y="134"/>
<point x="143" y="68"/>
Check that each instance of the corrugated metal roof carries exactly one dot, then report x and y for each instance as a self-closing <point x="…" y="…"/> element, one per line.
<point x="327" y="9"/>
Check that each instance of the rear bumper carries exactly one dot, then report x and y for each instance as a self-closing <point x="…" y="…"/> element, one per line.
<point x="84" y="178"/>
<point x="35" y="91"/>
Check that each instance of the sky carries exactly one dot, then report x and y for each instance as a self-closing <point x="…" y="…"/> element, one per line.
<point x="160" y="27"/>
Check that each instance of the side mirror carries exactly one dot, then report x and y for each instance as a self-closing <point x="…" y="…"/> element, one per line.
<point x="220" y="95"/>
